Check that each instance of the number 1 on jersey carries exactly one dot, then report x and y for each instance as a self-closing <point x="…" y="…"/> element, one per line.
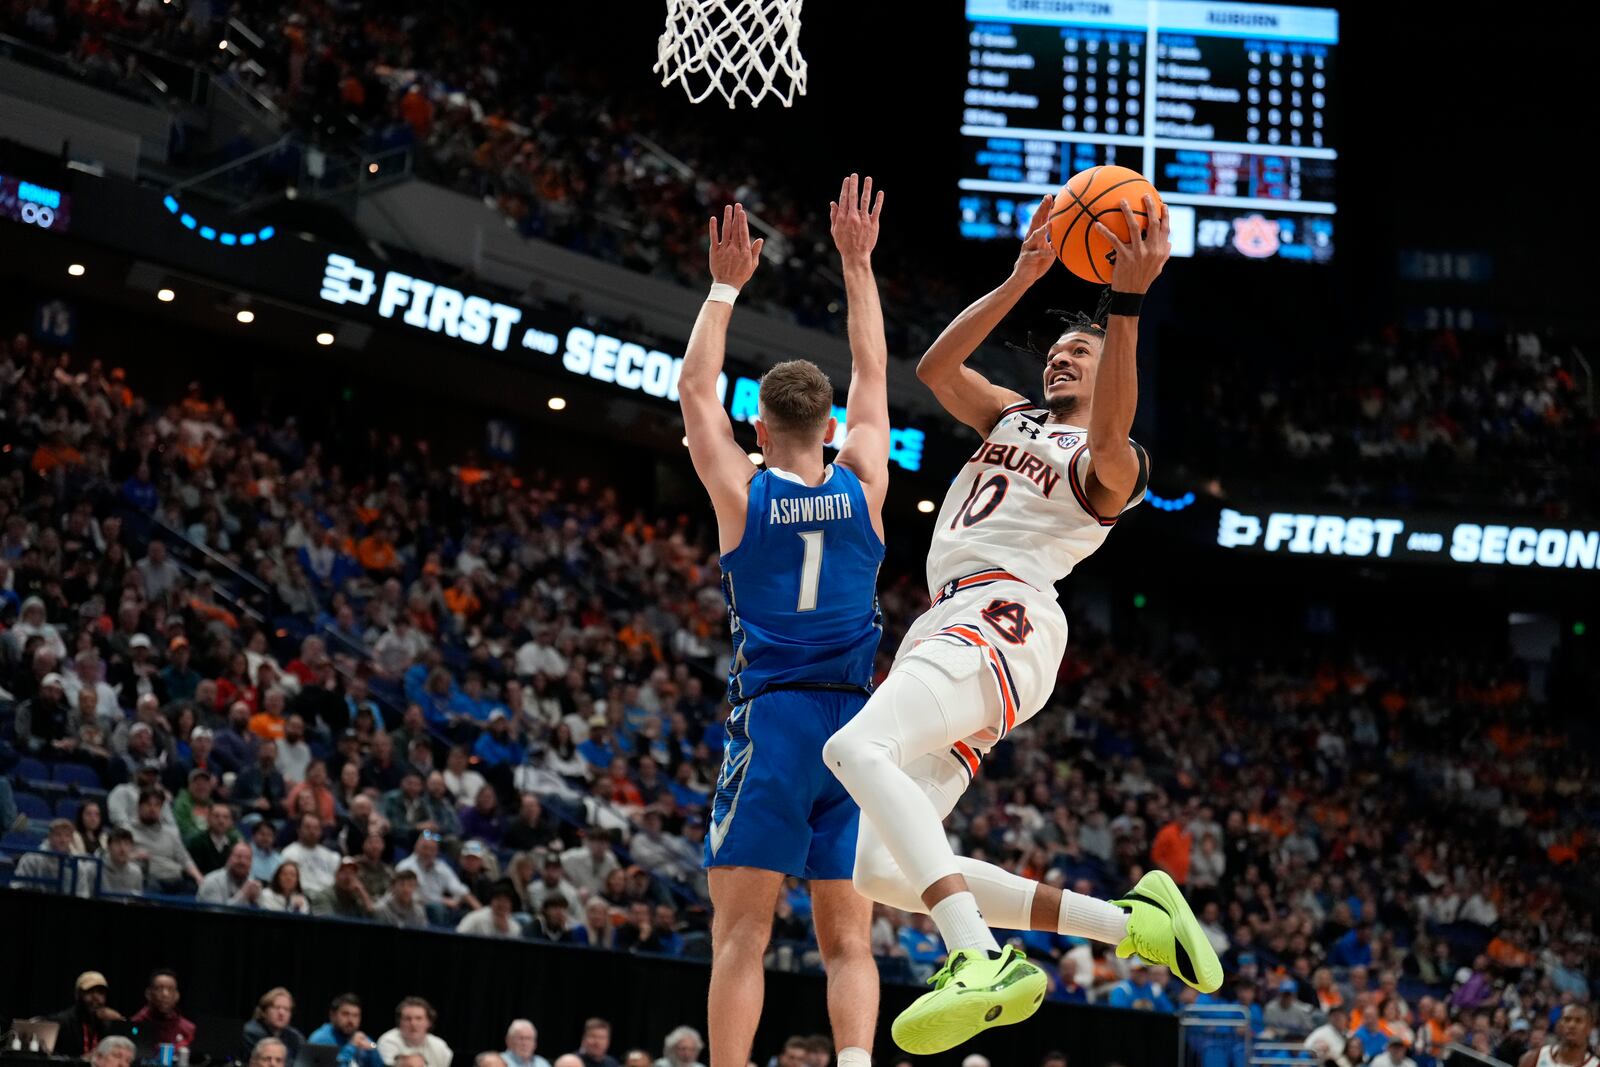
<point x="810" y="571"/>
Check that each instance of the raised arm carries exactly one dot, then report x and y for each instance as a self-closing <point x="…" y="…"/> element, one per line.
<point x="966" y="394"/>
<point x="1113" y="462"/>
<point x="866" y="446"/>
<point x="724" y="468"/>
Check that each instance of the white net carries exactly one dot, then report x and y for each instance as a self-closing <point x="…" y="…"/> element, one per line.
<point x="733" y="47"/>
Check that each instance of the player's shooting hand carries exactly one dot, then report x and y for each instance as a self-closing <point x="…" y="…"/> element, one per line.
<point x="733" y="255"/>
<point x="1139" y="260"/>
<point x="1036" y="255"/>
<point x="853" y="219"/>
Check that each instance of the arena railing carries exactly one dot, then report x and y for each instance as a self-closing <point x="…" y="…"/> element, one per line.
<point x="1214" y="1035"/>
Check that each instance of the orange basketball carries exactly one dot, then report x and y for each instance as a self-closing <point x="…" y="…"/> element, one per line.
<point x="1090" y="196"/>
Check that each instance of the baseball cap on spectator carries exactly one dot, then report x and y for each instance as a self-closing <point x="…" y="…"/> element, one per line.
<point x="54" y="679"/>
<point x="139" y="641"/>
<point x="498" y="713"/>
<point x="150" y="766"/>
<point x="598" y="720"/>
<point x="1288" y="985"/>
<point x="199" y="772"/>
<point x="349" y="861"/>
<point x="200" y="731"/>
<point x="90" y="980"/>
<point x="176" y="643"/>
<point x="1396" y="1039"/>
<point x="1520" y="1024"/>
<point x="475" y="848"/>
<point x="138" y="727"/>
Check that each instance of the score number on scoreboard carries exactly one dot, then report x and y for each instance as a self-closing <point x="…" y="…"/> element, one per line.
<point x="1225" y="106"/>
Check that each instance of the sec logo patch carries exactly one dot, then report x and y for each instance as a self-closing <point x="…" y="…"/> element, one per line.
<point x="1066" y="440"/>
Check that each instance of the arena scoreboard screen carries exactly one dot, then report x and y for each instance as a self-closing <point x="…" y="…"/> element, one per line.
<point x="1226" y="107"/>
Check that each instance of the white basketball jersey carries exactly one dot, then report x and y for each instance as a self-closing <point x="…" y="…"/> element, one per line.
<point x="1547" y="1058"/>
<point x="1020" y="503"/>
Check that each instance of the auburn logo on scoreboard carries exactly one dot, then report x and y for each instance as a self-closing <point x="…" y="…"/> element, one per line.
<point x="1255" y="236"/>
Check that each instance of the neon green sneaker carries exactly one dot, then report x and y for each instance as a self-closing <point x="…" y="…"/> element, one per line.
<point x="1163" y="929"/>
<point x="970" y="994"/>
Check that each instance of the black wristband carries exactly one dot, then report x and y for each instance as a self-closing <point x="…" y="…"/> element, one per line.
<point x="1125" y="304"/>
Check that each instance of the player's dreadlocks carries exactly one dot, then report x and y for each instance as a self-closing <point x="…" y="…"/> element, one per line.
<point x="1071" y="322"/>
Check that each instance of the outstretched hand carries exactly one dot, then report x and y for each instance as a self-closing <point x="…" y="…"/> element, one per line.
<point x="1140" y="259"/>
<point x="734" y="256"/>
<point x="1036" y="255"/>
<point x="853" y="218"/>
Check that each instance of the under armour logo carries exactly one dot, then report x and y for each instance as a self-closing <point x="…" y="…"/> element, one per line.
<point x="343" y="282"/>
<point x="1028" y="427"/>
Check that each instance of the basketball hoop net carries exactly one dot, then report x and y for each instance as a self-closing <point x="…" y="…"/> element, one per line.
<point x="733" y="47"/>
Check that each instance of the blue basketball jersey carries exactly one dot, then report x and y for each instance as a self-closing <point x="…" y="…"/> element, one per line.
<point x="802" y="587"/>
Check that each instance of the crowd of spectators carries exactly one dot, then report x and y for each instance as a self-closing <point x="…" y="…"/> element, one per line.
<point x="1412" y="417"/>
<point x="571" y="155"/>
<point x="380" y="686"/>
<point x="92" y="1029"/>
<point x="520" y="120"/>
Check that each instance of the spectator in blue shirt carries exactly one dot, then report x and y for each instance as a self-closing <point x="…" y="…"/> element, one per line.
<point x="139" y="492"/>
<point x="1064" y="988"/>
<point x="496" y="747"/>
<point x="922" y="944"/>
<point x="598" y="750"/>
<point x="343" y="1032"/>
<point x="1137" y="991"/>
<point x="1354" y="949"/>
<point x="264" y="857"/>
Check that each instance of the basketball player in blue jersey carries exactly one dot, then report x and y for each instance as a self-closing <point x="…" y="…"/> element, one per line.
<point x="801" y="543"/>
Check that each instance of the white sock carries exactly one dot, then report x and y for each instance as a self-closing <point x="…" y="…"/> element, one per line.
<point x="961" y="924"/>
<point x="853" y="1057"/>
<point x="1098" y="920"/>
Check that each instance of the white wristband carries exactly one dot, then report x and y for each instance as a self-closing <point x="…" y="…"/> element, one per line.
<point x="723" y="293"/>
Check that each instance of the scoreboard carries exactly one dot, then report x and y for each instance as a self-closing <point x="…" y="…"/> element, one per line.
<point x="1226" y="107"/>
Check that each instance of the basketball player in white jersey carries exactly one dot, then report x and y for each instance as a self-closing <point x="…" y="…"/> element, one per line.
<point x="1571" y="1048"/>
<point x="1038" y="496"/>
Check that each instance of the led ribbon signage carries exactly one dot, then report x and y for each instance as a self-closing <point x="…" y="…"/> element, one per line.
<point x="476" y="320"/>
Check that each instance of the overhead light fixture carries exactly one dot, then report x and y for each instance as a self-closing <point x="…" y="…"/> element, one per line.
<point x="222" y="45"/>
<point x="324" y="338"/>
<point x="75" y="269"/>
<point x="925" y="506"/>
<point x="557" y="403"/>
<point x="166" y="296"/>
<point x="755" y="457"/>
<point x="372" y="168"/>
<point x="685" y="440"/>
<point x="246" y="316"/>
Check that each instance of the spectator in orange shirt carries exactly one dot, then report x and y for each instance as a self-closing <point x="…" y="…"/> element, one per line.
<point x="461" y="601"/>
<point x="54" y="453"/>
<point x="1171" y="848"/>
<point x="203" y="606"/>
<point x="268" y="723"/>
<point x="637" y="632"/>
<point x="417" y="110"/>
<point x="316" y="784"/>
<point x="377" y="552"/>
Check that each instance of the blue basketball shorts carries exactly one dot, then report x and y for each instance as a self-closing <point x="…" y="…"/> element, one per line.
<point x="777" y="807"/>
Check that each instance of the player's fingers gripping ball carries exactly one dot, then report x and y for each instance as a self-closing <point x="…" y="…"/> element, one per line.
<point x="1090" y="196"/>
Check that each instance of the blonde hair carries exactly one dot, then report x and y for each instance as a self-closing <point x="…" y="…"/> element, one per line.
<point x="266" y="1001"/>
<point x="796" y="397"/>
